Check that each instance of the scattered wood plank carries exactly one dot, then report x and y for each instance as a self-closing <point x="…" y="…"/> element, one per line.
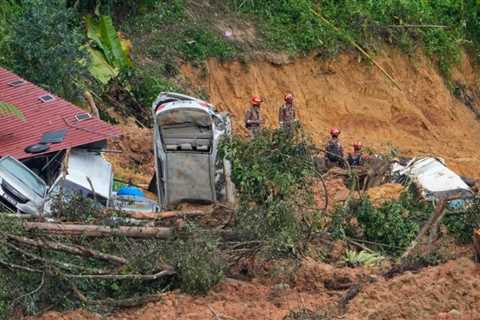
<point x="99" y="231"/>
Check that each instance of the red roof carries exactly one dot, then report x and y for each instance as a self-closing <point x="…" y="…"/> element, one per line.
<point x="42" y="117"/>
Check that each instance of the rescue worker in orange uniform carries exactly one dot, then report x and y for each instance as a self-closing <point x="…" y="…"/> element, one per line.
<point x="253" y="117"/>
<point x="286" y="113"/>
<point x="334" y="150"/>
<point x="357" y="158"/>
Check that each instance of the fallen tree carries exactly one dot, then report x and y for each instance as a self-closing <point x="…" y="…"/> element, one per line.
<point x="99" y="231"/>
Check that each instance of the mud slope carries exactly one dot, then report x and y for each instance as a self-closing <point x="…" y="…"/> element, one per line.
<point x="423" y="117"/>
<point x="429" y="295"/>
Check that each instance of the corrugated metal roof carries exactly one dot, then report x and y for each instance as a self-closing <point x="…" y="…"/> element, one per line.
<point x="42" y="117"/>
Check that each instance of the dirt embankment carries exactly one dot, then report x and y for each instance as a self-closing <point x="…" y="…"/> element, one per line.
<point x="422" y="118"/>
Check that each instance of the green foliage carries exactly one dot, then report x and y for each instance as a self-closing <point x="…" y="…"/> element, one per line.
<point x="271" y="174"/>
<point x="117" y="8"/>
<point x="198" y="263"/>
<point x="463" y="222"/>
<point x="147" y="83"/>
<point x="109" y="55"/>
<point x="9" y="10"/>
<point x="392" y="225"/>
<point x="291" y="25"/>
<point x="388" y="224"/>
<point x="167" y="32"/>
<point x="44" y="46"/>
<point x="75" y="207"/>
<point x="199" y="44"/>
<point x="363" y="258"/>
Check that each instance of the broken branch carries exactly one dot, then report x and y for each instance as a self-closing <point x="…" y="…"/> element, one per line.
<point x="169" y="271"/>
<point x="73" y="249"/>
<point x="433" y="219"/>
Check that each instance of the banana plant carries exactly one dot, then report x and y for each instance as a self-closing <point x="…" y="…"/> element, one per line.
<point x="7" y="109"/>
<point x="109" y="53"/>
<point x="362" y="258"/>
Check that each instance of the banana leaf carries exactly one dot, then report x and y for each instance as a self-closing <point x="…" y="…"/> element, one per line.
<point x="105" y="38"/>
<point x="7" y="109"/>
<point x="99" y="66"/>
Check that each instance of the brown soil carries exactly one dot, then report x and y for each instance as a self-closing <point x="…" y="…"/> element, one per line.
<point x="437" y="290"/>
<point x="136" y="161"/>
<point x="389" y="191"/>
<point x="422" y="118"/>
<point x="449" y="291"/>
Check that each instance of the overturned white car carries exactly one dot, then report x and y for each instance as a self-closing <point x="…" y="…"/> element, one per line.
<point x="187" y="133"/>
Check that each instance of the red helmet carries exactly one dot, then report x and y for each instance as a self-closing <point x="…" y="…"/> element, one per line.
<point x="289" y="97"/>
<point x="256" y="100"/>
<point x="335" y="132"/>
<point x="357" y="145"/>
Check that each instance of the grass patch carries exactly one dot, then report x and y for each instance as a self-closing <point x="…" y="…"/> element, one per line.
<point x="441" y="27"/>
<point x="167" y="32"/>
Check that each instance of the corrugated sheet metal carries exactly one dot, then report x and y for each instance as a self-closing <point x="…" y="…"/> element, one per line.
<point x="42" y="117"/>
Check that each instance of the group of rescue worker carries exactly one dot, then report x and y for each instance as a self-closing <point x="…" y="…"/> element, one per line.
<point x="334" y="155"/>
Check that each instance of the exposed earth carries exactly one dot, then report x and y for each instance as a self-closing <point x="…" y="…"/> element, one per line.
<point x="421" y="118"/>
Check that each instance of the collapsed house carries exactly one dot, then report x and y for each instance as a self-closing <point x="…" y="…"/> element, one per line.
<point x="32" y="151"/>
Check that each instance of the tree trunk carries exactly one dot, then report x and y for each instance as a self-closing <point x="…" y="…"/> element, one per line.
<point x="99" y="231"/>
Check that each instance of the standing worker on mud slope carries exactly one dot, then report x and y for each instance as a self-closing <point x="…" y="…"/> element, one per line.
<point x="253" y="118"/>
<point x="334" y="150"/>
<point x="286" y="114"/>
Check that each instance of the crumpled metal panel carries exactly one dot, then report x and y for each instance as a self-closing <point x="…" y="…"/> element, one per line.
<point x="435" y="180"/>
<point x="188" y="177"/>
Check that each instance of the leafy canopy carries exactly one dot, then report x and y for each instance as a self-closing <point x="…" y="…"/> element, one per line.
<point x="45" y="46"/>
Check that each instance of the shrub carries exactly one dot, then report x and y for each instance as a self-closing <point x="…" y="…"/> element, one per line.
<point x="271" y="174"/>
<point x="74" y="207"/>
<point x="45" y="45"/>
<point x="198" y="264"/>
<point x="390" y="226"/>
<point x="462" y="223"/>
<point x="363" y="258"/>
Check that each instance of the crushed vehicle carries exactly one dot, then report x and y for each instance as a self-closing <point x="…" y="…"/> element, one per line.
<point x="23" y="191"/>
<point x="187" y="133"/>
<point x="433" y="179"/>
